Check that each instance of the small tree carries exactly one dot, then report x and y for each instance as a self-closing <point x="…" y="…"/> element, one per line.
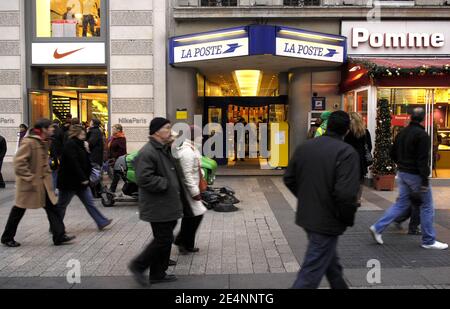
<point x="382" y="162"/>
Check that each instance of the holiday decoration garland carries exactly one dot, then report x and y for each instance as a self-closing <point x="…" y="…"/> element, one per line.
<point x="375" y="71"/>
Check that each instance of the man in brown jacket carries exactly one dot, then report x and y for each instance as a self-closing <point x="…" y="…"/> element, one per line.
<point x="34" y="187"/>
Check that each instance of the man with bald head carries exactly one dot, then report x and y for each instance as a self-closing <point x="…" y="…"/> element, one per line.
<point x="411" y="153"/>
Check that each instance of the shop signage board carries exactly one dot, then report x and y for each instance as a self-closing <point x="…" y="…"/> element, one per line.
<point x="309" y="50"/>
<point x="257" y="40"/>
<point x="318" y="103"/>
<point x="10" y="120"/>
<point x="212" y="50"/>
<point x="68" y="53"/>
<point x="397" y="37"/>
<point x="132" y="120"/>
<point x="401" y="120"/>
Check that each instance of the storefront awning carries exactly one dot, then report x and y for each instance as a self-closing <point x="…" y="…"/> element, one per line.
<point x="395" y="72"/>
<point x="257" y="40"/>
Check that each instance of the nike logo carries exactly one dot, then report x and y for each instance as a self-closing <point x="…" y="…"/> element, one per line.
<point x="57" y="55"/>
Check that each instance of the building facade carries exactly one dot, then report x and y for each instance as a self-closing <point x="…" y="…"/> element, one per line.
<point x="115" y="60"/>
<point x="102" y="59"/>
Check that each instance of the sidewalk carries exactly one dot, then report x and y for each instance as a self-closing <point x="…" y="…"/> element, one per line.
<point x="257" y="247"/>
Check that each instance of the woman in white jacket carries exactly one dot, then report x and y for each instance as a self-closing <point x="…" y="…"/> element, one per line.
<point x="190" y="158"/>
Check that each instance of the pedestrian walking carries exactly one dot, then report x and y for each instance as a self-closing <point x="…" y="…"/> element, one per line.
<point x="117" y="147"/>
<point x="359" y="138"/>
<point x="411" y="153"/>
<point x="34" y="185"/>
<point x="160" y="202"/>
<point x="189" y="158"/>
<point x="56" y="149"/>
<point x="73" y="177"/>
<point x="324" y="176"/>
<point x="3" y="150"/>
<point x="95" y="148"/>
<point x="324" y="123"/>
<point x="23" y="130"/>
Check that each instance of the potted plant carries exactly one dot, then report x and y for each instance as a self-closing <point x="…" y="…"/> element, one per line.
<point x="383" y="168"/>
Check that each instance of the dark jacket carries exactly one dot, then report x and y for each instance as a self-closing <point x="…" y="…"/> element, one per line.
<point x="95" y="140"/>
<point x="411" y="151"/>
<point x="75" y="166"/>
<point x="3" y="147"/>
<point x="324" y="176"/>
<point x="117" y="148"/>
<point x="158" y="179"/>
<point x="359" y="145"/>
<point x="57" y="142"/>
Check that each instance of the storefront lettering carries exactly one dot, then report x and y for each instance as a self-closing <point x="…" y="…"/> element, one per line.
<point x="397" y="40"/>
<point x="201" y="52"/>
<point x="7" y="121"/>
<point x="132" y="121"/>
<point x="303" y="49"/>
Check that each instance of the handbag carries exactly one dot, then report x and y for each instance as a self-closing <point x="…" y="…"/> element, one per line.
<point x="368" y="155"/>
<point x="96" y="174"/>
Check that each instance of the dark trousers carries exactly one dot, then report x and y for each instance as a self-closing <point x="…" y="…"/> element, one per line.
<point x="54" y="218"/>
<point x="413" y="213"/>
<point x="320" y="259"/>
<point x="88" y="20"/>
<point x="2" y="182"/>
<point x="157" y="254"/>
<point x="115" y="181"/>
<point x="189" y="226"/>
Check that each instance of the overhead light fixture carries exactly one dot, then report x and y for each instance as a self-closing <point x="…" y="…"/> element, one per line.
<point x="312" y="36"/>
<point x="210" y="36"/>
<point x="355" y="68"/>
<point x="248" y="81"/>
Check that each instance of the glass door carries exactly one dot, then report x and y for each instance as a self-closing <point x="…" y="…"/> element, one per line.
<point x="39" y="103"/>
<point x="93" y="105"/>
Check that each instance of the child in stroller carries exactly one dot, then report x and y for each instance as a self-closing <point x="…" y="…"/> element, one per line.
<point x="124" y="167"/>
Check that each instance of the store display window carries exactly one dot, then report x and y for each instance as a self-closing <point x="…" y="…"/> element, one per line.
<point x="68" y="18"/>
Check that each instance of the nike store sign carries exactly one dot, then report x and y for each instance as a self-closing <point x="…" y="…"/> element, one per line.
<point x="68" y="53"/>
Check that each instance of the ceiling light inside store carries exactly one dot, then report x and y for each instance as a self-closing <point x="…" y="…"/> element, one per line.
<point x="249" y="82"/>
<point x="210" y="36"/>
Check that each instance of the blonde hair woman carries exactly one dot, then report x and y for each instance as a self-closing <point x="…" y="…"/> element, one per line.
<point x="359" y="138"/>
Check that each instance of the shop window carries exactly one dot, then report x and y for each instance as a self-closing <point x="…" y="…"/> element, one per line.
<point x="68" y="18"/>
<point x="76" y="79"/>
<point x="362" y="98"/>
<point x="349" y="102"/>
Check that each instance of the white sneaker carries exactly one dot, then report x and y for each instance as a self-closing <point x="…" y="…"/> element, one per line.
<point x="375" y="235"/>
<point x="437" y="245"/>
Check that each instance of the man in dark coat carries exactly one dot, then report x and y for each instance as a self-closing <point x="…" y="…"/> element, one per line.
<point x="3" y="149"/>
<point x="95" y="148"/>
<point x="324" y="176"/>
<point x="95" y="141"/>
<point x="160" y="202"/>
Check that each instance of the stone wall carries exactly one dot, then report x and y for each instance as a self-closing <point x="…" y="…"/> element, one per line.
<point x="12" y="96"/>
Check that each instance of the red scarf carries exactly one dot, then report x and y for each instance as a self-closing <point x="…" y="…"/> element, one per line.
<point x="38" y="133"/>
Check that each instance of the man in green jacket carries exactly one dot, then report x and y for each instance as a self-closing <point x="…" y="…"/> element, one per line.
<point x="323" y="127"/>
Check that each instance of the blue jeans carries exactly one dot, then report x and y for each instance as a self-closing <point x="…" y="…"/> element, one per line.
<point x="407" y="184"/>
<point x="85" y="195"/>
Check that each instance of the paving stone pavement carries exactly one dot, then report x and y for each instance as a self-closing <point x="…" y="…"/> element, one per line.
<point x="258" y="246"/>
